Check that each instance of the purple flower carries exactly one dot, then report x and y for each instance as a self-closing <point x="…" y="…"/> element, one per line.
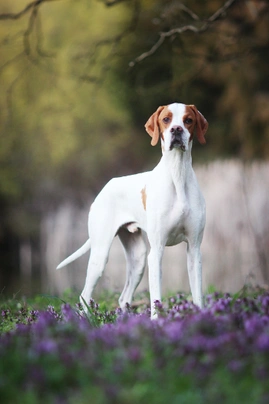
<point x="53" y="313"/>
<point x="68" y="313"/>
<point x="265" y="303"/>
<point x="158" y="305"/>
<point x="173" y="330"/>
<point x="45" y="319"/>
<point x="262" y="342"/>
<point x="46" y="346"/>
<point x="222" y="305"/>
<point x="5" y="313"/>
<point x="134" y="354"/>
<point x="235" y="365"/>
<point x="253" y="326"/>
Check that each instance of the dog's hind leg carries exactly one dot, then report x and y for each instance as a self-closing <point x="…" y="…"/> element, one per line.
<point x="135" y="249"/>
<point x="100" y="248"/>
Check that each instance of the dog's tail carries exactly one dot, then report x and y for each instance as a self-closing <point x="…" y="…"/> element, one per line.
<point x="82" y="250"/>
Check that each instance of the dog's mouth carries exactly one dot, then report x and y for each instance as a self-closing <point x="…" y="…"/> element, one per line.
<point x="178" y="144"/>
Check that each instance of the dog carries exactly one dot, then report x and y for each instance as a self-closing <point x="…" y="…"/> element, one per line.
<point x="159" y="208"/>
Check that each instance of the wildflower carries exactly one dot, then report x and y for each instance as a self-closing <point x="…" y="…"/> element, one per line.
<point x="262" y="342"/>
<point x="68" y="313"/>
<point x="5" y="313"/>
<point x="45" y="346"/>
<point x="134" y="354"/>
<point x="53" y="313"/>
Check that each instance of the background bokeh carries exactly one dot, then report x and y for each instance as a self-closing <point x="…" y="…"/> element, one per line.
<point x="75" y="94"/>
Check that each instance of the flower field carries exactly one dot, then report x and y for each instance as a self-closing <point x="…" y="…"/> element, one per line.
<point x="54" y="354"/>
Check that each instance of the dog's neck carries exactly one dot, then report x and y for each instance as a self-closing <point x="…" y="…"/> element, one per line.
<point x="179" y="164"/>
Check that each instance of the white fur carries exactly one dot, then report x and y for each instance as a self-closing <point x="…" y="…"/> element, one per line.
<point x="175" y="212"/>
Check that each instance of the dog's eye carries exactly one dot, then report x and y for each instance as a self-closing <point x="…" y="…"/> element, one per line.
<point x="188" y="121"/>
<point x="166" y="119"/>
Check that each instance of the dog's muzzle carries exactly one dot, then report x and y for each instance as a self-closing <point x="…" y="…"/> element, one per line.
<point x="177" y="138"/>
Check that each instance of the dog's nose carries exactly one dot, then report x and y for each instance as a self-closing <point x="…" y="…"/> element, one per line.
<point x="177" y="130"/>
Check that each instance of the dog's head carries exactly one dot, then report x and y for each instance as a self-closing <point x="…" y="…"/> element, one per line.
<point x="176" y="124"/>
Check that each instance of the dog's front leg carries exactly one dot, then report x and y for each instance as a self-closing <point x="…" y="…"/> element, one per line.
<point x="155" y="276"/>
<point x="194" y="263"/>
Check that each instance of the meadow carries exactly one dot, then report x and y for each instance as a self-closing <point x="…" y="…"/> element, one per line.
<point x="50" y="352"/>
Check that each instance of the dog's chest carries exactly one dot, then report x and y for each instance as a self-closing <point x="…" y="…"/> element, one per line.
<point x="176" y="224"/>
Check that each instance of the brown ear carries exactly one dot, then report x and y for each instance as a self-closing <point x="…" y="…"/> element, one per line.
<point x="201" y="125"/>
<point x="152" y="126"/>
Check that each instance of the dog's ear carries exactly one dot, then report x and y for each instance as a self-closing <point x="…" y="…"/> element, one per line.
<point x="152" y="126"/>
<point x="201" y="125"/>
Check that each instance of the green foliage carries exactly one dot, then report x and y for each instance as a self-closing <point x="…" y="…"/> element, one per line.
<point x="23" y="311"/>
<point x="52" y="121"/>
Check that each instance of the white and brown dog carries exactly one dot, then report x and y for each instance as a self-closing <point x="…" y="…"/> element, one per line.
<point x="164" y="206"/>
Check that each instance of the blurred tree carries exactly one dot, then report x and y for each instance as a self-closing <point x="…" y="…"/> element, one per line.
<point x="211" y="53"/>
<point x="79" y="79"/>
<point x="57" y="130"/>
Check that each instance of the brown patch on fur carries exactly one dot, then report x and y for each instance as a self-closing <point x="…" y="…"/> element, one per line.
<point x="152" y="126"/>
<point x="144" y="197"/>
<point x="156" y="123"/>
<point x="165" y="119"/>
<point x="198" y="122"/>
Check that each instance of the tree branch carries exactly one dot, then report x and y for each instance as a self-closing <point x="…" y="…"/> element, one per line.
<point x="189" y="11"/>
<point x="110" y="3"/>
<point x="204" y="25"/>
<point x="31" y="8"/>
<point x="221" y="11"/>
<point x="110" y="43"/>
<point x="29" y="30"/>
<point x="16" y="16"/>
